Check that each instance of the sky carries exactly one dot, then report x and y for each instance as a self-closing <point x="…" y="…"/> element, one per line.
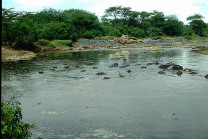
<point x="181" y="8"/>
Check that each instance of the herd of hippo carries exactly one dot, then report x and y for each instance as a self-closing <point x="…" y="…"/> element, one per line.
<point x="163" y="67"/>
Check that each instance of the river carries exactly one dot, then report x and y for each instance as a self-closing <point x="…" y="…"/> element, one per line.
<point x="61" y="93"/>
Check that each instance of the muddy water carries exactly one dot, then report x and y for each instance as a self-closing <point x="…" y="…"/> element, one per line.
<point x="73" y="102"/>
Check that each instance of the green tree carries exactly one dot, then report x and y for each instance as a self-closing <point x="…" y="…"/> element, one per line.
<point x="172" y="26"/>
<point x="9" y="16"/>
<point x="197" y="24"/>
<point x="113" y="12"/>
<point x="86" y="24"/>
<point x="12" y="126"/>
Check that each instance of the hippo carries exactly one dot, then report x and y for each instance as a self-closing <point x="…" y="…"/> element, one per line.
<point x="193" y="72"/>
<point x="100" y="73"/>
<point x="66" y="67"/>
<point x="124" y="66"/>
<point x="113" y="65"/>
<point x="88" y="62"/>
<point x="106" y="78"/>
<point x="143" y="67"/>
<point x="128" y="71"/>
<point x="187" y="70"/>
<point x="171" y="66"/>
<point x="161" y="72"/>
<point x="179" y="73"/>
<point x="206" y="76"/>
<point x="122" y="75"/>
<point x="116" y="58"/>
<point x="40" y="72"/>
<point x="156" y="63"/>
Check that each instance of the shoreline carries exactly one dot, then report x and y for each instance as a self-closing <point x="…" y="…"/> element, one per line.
<point x="9" y="55"/>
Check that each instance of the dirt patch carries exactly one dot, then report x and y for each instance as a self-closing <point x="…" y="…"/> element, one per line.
<point x="8" y="54"/>
<point x="201" y="51"/>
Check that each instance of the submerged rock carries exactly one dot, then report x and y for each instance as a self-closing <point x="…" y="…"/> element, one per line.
<point x="206" y="76"/>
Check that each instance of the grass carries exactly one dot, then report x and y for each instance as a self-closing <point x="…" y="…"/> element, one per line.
<point x="62" y="43"/>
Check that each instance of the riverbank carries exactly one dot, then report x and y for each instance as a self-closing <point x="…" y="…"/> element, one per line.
<point x="197" y="46"/>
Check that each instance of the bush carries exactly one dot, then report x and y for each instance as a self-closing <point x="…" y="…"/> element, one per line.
<point x="45" y="43"/>
<point x="25" y="45"/>
<point x="62" y="43"/>
<point x="12" y="126"/>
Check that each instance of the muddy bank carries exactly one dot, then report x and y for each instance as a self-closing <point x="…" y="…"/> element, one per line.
<point x="201" y="47"/>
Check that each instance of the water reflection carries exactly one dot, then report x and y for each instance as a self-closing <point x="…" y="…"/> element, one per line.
<point x="70" y="103"/>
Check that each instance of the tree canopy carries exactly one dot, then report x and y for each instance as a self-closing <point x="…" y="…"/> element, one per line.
<point x="72" y="24"/>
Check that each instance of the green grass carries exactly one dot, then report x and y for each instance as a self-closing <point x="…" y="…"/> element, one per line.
<point x="62" y="43"/>
<point x="45" y="43"/>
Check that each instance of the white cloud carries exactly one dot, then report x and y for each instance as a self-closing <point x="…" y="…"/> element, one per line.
<point x="28" y="4"/>
<point x="181" y="8"/>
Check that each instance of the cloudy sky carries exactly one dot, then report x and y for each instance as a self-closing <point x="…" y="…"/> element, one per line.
<point x="181" y="8"/>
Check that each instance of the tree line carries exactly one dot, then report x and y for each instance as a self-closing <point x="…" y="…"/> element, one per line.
<point x="72" y="24"/>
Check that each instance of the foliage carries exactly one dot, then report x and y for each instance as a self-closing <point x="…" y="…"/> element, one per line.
<point x="12" y="126"/>
<point x="22" y="27"/>
<point x="172" y="26"/>
<point x="62" y="43"/>
<point x="197" y="24"/>
<point x="86" y="24"/>
<point x="26" y="45"/>
<point x="45" y="43"/>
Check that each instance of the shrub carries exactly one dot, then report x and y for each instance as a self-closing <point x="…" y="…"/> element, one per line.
<point x="25" y="45"/>
<point x="12" y="126"/>
<point x="45" y="43"/>
<point x="62" y="43"/>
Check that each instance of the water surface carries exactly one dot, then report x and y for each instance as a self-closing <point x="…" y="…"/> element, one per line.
<point x="73" y="103"/>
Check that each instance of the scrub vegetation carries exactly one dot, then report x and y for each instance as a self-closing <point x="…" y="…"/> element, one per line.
<point x="51" y="27"/>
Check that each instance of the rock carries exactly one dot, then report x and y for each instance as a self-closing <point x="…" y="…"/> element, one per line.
<point x="94" y="67"/>
<point x="113" y="65"/>
<point x="83" y="70"/>
<point x="55" y="67"/>
<point x="206" y="76"/>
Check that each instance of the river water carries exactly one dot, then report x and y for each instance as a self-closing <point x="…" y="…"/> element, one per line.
<point x="68" y="100"/>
